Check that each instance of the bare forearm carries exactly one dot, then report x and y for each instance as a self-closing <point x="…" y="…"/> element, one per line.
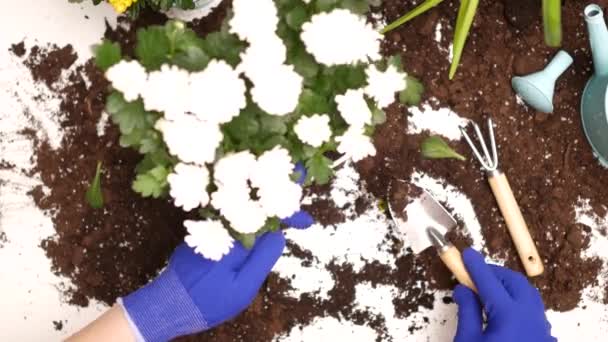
<point x="111" y="326"/>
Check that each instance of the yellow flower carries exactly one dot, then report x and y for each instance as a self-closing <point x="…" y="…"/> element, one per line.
<point x="121" y="5"/>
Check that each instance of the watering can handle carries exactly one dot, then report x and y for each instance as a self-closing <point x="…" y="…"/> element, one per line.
<point x="452" y="258"/>
<point x="516" y="224"/>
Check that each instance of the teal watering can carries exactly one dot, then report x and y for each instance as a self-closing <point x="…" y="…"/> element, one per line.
<point x="594" y="107"/>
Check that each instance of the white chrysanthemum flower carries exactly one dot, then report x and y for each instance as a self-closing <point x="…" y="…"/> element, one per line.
<point x="168" y="91"/>
<point x="234" y="169"/>
<point x="313" y="130"/>
<point x="262" y="56"/>
<point x="253" y="20"/>
<point x="244" y="215"/>
<point x="191" y="140"/>
<point x="129" y="78"/>
<point x="278" y="92"/>
<point x="208" y="238"/>
<point x="273" y="167"/>
<point x="355" y="144"/>
<point x="354" y="109"/>
<point x="382" y="86"/>
<point x="188" y="184"/>
<point x="341" y="37"/>
<point x="281" y="199"/>
<point x="218" y="93"/>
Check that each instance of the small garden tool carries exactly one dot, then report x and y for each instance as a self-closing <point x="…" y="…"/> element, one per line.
<point x="425" y="225"/>
<point x="594" y="108"/>
<point x="537" y="89"/>
<point x="506" y="201"/>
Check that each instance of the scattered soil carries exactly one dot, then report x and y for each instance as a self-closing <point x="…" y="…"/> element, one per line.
<point x="91" y="243"/>
<point x="58" y="325"/>
<point x="547" y="156"/>
<point x="18" y="49"/>
<point x="47" y="65"/>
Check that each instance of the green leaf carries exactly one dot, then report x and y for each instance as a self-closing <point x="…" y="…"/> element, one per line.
<point x="312" y="103"/>
<point x="191" y="58"/>
<point x="412" y="94"/>
<point x="272" y="124"/>
<point x="223" y="45"/>
<point x="151" y="160"/>
<point x="326" y="5"/>
<point x="356" y="6"/>
<point x="129" y="116"/>
<point x="153" y="183"/>
<point x="115" y="102"/>
<point x="464" y="21"/>
<point x="435" y="147"/>
<point x="248" y="240"/>
<point x="396" y="61"/>
<point x="244" y="126"/>
<point x="153" y="47"/>
<point x="378" y="116"/>
<point x="106" y="54"/>
<point x="94" y="196"/>
<point x="185" y="4"/>
<point x="319" y="169"/>
<point x="420" y="9"/>
<point x="297" y="17"/>
<point x="304" y="63"/>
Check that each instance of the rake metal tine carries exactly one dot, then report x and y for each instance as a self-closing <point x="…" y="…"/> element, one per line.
<point x="473" y="147"/>
<point x="493" y="143"/>
<point x="483" y="144"/>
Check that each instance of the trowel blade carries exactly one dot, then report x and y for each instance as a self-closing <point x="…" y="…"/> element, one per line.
<point x="421" y="213"/>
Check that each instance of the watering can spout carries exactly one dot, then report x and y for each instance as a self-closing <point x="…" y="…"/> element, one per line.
<point x="598" y="35"/>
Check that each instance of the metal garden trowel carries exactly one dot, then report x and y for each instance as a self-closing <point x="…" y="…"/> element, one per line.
<point x="425" y="222"/>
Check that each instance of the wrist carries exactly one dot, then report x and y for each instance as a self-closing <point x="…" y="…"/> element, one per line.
<point x="163" y="310"/>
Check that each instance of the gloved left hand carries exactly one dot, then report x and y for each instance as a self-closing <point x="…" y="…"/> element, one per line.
<point x="195" y="294"/>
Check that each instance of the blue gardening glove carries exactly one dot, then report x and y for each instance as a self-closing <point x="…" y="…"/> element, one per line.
<point x="301" y="219"/>
<point x="514" y="308"/>
<point x="195" y="294"/>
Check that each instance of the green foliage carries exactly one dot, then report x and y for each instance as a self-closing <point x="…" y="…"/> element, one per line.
<point x="106" y="54"/>
<point x="435" y="147"/>
<point x="152" y="183"/>
<point x="412" y="94"/>
<point x="94" y="195"/>
<point x="319" y="169"/>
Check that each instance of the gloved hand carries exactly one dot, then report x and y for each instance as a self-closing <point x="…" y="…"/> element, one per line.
<point x="195" y="294"/>
<point x="514" y="308"/>
<point x="301" y="219"/>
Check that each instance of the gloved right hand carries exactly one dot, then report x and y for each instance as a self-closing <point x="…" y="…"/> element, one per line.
<point x="514" y="308"/>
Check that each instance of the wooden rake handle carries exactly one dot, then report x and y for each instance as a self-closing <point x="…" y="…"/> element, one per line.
<point x="452" y="258"/>
<point x="516" y="224"/>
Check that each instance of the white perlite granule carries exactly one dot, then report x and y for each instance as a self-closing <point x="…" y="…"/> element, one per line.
<point x="442" y="121"/>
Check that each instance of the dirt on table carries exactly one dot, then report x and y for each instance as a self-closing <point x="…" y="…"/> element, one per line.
<point x="546" y="156"/>
<point x="109" y="253"/>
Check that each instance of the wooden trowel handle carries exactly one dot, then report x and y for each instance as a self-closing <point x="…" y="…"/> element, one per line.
<point x="516" y="224"/>
<point x="452" y="258"/>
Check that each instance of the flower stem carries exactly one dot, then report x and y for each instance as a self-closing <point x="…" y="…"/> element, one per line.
<point x="552" y="19"/>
